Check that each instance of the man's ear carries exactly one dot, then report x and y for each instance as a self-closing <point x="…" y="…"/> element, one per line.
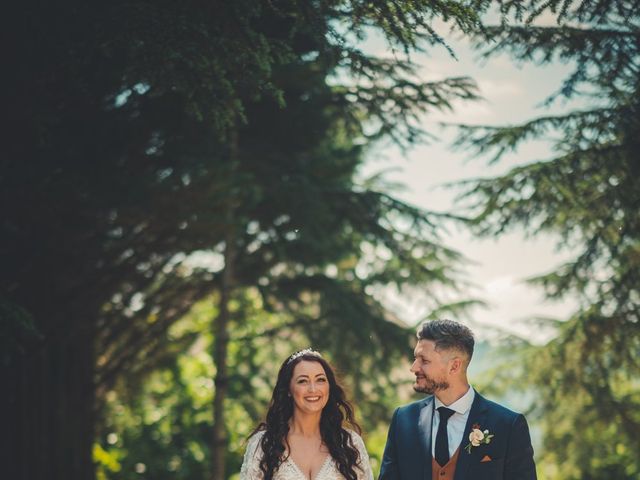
<point x="456" y="365"/>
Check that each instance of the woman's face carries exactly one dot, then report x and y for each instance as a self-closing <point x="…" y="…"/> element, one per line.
<point x="309" y="387"/>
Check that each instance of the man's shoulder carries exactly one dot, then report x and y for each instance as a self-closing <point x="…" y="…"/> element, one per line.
<point x="414" y="406"/>
<point x="497" y="409"/>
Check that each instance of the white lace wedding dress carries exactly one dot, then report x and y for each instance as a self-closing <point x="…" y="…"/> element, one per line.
<point x="290" y="471"/>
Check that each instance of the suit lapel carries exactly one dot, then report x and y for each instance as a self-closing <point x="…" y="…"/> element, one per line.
<point x="424" y="423"/>
<point x="476" y="415"/>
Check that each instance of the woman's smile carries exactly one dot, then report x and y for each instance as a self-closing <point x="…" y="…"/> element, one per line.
<point x="309" y="387"/>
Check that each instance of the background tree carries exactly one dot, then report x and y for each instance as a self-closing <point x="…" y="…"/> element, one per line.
<point x="298" y="211"/>
<point x="586" y="378"/>
<point x="127" y="157"/>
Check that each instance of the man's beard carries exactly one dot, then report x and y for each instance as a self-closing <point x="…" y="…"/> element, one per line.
<point x="431" y="386"/>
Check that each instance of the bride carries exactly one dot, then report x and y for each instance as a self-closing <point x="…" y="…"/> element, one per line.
<point x="304" y="436"/>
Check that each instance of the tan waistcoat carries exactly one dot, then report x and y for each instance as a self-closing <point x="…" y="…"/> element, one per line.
<point x="448" y="471"/>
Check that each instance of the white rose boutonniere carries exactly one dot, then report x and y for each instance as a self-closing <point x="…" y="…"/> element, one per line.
<point x="478" y="437"/>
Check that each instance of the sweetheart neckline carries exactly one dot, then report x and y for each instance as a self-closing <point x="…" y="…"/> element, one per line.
<point x="322" y="467"/>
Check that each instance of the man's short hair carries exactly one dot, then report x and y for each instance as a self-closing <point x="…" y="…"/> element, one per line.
<point x="448" y="335"/>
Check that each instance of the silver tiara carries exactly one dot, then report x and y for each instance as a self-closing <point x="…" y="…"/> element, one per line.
<point x="300" y="353"/>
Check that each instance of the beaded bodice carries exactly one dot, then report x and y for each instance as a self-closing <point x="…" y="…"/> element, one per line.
<point x="288" y="470"/>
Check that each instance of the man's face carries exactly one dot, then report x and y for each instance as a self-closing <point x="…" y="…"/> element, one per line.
<point x="430" y="368"/>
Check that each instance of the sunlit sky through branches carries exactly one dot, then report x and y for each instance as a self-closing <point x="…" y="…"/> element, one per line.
<point x="512" y="93"/>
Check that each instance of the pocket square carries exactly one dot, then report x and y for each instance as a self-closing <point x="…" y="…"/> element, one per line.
<point x="486" y="458"/>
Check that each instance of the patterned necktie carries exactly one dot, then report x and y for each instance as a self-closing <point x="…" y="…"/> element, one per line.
<point x="442" y="441"/>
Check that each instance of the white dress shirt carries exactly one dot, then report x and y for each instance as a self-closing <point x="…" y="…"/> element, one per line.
<point x="456" y="423"/>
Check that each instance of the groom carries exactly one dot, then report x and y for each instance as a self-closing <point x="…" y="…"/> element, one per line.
<point x="454" y="433"/>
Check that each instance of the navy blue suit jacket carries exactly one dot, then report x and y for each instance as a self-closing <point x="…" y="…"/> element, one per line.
<point x="407" y="454"/>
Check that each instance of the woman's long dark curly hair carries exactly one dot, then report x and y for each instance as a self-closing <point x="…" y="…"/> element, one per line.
<point x="336" y="414"/>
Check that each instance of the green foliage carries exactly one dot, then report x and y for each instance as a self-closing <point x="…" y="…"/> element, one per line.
<point x="157" y="422"/>
<point x="147" y="135"/>
<point x="160" y="420"/>
<point x="587" y="378"/>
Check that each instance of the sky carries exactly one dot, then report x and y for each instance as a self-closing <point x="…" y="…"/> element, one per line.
<point x="512" y="93"/>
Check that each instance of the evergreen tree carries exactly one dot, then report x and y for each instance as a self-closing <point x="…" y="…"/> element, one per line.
<point x="587" y="378"/>
<point x="135" y="129"/>
<point x="297" y="211"/>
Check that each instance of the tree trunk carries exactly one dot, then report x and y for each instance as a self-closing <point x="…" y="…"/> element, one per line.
<point x="221" y="340"/>
<point x="49" y="408"/>
<point x="221" y="330"/>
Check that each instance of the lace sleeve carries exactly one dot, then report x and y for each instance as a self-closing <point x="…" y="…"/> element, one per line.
<point x="250" y="469"/>
<point x="366" y="473"/>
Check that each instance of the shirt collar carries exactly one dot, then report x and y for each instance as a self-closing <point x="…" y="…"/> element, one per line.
<point x="462" y="405"/>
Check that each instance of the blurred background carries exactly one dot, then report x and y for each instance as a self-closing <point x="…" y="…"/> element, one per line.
<point x="192" y="191"/>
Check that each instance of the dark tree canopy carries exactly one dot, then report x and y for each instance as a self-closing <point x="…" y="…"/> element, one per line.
<point x="143" y="133"/>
